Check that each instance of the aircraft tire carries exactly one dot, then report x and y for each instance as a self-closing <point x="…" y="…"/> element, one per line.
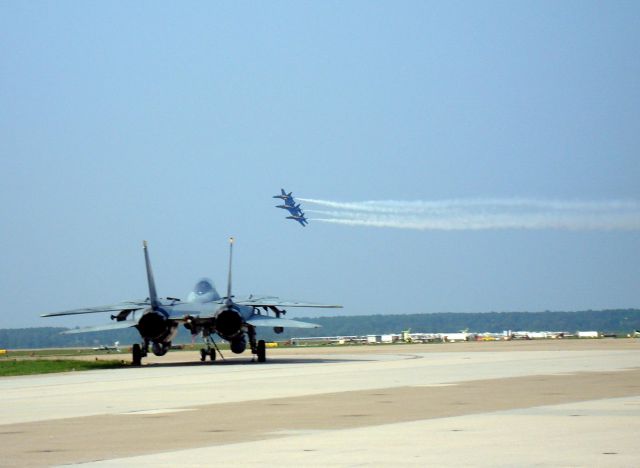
<point x="212" y="354"/>
<point x="136" y="355"/>
<point x="262" y="351"/>
<point x="203" y="354"/>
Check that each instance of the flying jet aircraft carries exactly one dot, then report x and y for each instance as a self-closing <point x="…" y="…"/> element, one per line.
<point x="294" y="210"/>
<point x="286" y="197"/>
<point x="300" y="218"/>
<point x="234" y="320"/>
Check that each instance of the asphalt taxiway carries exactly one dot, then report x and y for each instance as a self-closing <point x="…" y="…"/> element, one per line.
<point x="547" y="403"/>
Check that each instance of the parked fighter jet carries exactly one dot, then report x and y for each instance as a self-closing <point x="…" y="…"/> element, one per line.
<point x="157" y="319"/>
<point x="300" y="218"/>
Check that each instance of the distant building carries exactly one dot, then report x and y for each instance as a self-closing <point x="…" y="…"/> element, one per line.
<point x="463" y="336"/>
<point x="588" y="334"/>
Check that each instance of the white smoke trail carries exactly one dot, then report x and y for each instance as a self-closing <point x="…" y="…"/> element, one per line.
<point x="395" y="206"/>
<point x="477" y="214"/>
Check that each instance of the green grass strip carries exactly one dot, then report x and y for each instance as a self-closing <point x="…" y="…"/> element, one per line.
<point x="47" y="366"/>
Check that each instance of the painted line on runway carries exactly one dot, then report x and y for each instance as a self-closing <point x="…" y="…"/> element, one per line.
<point x="157" y="411"/>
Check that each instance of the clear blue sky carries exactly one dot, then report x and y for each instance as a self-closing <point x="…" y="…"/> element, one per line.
<point x="177" y="122"/>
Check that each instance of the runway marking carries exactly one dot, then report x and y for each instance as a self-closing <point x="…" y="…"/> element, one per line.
<point x="83" y="439"/>
<point x="437" y="385"/>
<point x="158" y="411"/>
<point x="412" y="356"/>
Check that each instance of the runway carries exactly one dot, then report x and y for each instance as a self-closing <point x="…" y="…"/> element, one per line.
<point x="547" y="403"/>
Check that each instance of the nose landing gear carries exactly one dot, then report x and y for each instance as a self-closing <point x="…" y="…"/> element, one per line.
<point x="207" y="352"/>
<point x="210" y="349"/>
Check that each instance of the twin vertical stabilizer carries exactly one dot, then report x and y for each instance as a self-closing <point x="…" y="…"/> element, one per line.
<point x="153" y="295"/>
<point x="231" y="241"/>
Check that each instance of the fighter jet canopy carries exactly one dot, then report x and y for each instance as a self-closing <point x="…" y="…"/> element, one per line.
<point x="204" y="291"/>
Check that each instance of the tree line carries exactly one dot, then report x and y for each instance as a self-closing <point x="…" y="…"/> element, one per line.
<point x="620" y="321"/>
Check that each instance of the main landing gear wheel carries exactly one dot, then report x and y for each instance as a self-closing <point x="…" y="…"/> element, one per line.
<point x="262" y="351"/>
<point x="136" y="355"/>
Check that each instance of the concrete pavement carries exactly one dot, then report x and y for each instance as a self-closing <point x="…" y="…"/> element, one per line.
<point x="478" y="404"/>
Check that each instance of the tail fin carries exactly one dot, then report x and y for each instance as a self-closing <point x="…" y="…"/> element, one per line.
<point x="231" y="240"/>
<point x="153" y="295"/>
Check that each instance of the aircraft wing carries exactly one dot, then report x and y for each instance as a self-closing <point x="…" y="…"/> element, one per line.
<point x="126" y="305"/>
<point x="265" y="321"/>
<point x="272" y="301"/>
<point x="109" y="327"/>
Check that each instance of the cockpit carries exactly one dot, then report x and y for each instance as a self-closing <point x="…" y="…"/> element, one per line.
<point x="204" y="291"/>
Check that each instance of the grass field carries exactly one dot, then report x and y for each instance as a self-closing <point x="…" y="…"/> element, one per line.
<point x="11" y="367"/>
<point x="59" y="352"/>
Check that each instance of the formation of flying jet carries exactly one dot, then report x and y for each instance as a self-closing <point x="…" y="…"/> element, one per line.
<point x="290" y="205"/>
<point x="204" y="312"/>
